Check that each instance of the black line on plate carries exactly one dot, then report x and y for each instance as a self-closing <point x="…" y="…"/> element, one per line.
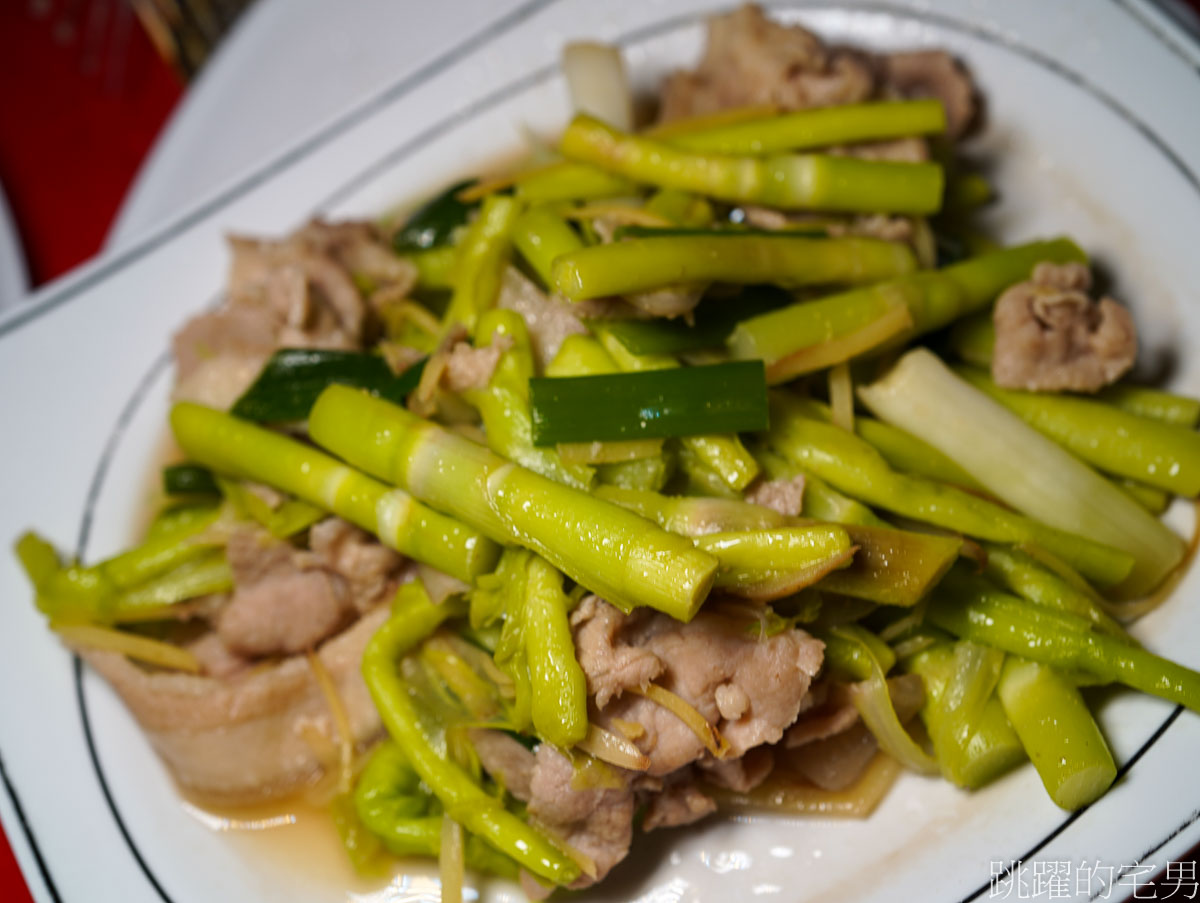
<point x="1074" y="816"/>
<point x="110" y="448"/>
<point x="27" y="830"/>
<point x="1183" y="826"/>
<point x="34" y="310"/>
<point x="106" y="790"/>
<point x="160" y="364"/>
<point x="395" y="155"/>
<point x="1168" y="41"/>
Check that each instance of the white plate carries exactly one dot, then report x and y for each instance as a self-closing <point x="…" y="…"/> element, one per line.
<point x="14" y="282"/>
<point x="1093" y="132"/>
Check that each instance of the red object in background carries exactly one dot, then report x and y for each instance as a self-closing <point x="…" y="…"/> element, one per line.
<point x="82" y="100"/>
<point x="83" y="95"/>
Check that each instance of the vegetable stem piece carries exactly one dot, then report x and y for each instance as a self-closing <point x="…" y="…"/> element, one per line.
<point x="483" y="255"/>
<point x="570" y="182"/>
<point x="652" y="404"/>
<point x="540" y="236"/>
<point x="414" y="617"/>
<point x="1058" y="732"/>
<point x="970" y="607"/>
<point x="1021" y="573"/>
<point x="391" y="803"/>
<point x="874" y="703"/>
<point x="787" y="181"/>
<point x="640" y="264"/>
<point x="854" y="467"/>
<point x="434" y="223"/>
<point x="934" y="299"/>
<point x="291" y="380"/>
<point x="1110" y="439"/>
<point x="504" y="403"/>
<point x="993" y="747"/>
<point x="770" y="564"/>
<point x="559" y="704"/>
<point x="598" y="83"/>
<point x="232" y="446"/>
<point x="1020" y="466"/>
<point x="818" y="127"/>
<point x="612" y="552"/>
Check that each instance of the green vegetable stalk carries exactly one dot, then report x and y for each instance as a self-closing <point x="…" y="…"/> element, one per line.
<point x="559" y="688"/>
<point x="612" y="552"/>
<point x="992" y="747"/>
<point x="819" y="127"/>
<point x="540" y="236"/>
<point x="1110" y="439"/>
<point x="971" y="608"/>
<point x="413" y="618"/>
<point x="1022" y="574"/>
<point x="392" y="805"/>
<point x="483" y="255"/>
<point x="1021" y="467"/>
<point x="852" y="466"/>
<point x="786" y="181"/>
<point x="504" y="404"/>
<point x="1058" y="732"/>
<point x="933" y="298"/>
<point x="641" y="264"/>
<point x="232" y="446"/>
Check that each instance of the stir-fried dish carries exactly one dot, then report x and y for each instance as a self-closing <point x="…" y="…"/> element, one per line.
<point x="712" y="464"/>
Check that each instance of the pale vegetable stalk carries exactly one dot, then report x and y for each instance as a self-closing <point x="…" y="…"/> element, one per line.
<point x="598" y="83"/>
<point x="1019" y="465"/>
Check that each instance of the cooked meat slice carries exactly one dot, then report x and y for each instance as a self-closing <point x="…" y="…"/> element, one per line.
<point x="784" y="496"/>
<point x="287" y="600"/>
<point x="371" y="570"/>
<point x="238" y="739"/>
<point x="597" y="821"/>
<point x="468" y="367"/>
<point x="935" y="73"/>
<point x="670" y="301"/>
<point x="835" y="761"/>
<point x="550" y="319"/>
<point x="287" y="611"/>
<point x="897" y="150"/>
<point x="236" y="332"/>
<point x="679" y="802"/>
<point x="877" y="225"/>
<point x="732" y="701"/>
<point x="296" y="292"/>
<point x="834" y="714"/>
<point x="506" y="760"/>
<point x="750" y="60"/>
<point x="742" y="774"/>
<point x="363" y="251"/>
<point x="1050" y="336"/>
<point x="216" y="659"/>
<point x="761" y="681"/>
<point x="611" y="667"/>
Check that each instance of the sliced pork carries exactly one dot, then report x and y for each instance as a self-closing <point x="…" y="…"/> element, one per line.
<point x="1051" y="336"/>
<point x="714" y="661"/>
<point x="287" y="600"/>
<point x="749" y="60"/>
<point x="241" y="739"/>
